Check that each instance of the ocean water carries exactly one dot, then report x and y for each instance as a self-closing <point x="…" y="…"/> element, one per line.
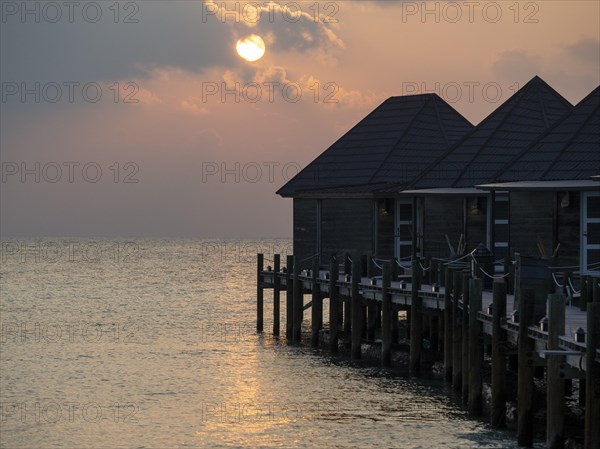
<point x="151" y="344"/>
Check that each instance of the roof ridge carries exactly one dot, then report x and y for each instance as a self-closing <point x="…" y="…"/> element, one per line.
<point x="406" y="129"/>
<point x="568" y="143"/>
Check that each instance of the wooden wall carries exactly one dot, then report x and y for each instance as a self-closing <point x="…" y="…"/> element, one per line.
<point x="476" y="222"/>
<point x="441" y="215"/>
<point x="347" y="227"/>
<point x="385" y="228"/>
<point x="531" y="216"/>
<point x="569" y="230"/>
<point x="305" y="229"/>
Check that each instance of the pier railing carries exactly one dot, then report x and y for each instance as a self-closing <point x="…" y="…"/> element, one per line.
<point x="445" y="302"/>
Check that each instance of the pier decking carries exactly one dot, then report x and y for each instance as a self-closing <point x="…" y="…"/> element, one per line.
<point x="359" y="305"/>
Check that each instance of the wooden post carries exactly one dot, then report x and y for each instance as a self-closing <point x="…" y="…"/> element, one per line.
<point x="429" y="271"/>
<point x="448" y="325"/>
<point x="475" y="348"/>
<point x="259" y="293"/>
<point x="555" y="393"/>
<point x="317" y="305"/>
<point x="443" y="273"/>
<point x="434" y="271"/>
<point x="371" y="320"/>
<point x="347" y="264"/>
<point x="386" y="316"/>
<point x="592" y="374"/>
<point x="364" y="264"/>
<point x="356" y="311"/>
<point x="416" y="321"/>
<point x="498" y="418"/>
<point x="394" y="264"/>
<point x="298" y="303"/>
<point x="465" y="338"/>
<point x="276" y="294"/>
<point x="457" y="325"/>
<point x="525" y="371"/>
<point x="334" y="321"/>
<point x="585" y="293"/>
<point x="289" y="299"/>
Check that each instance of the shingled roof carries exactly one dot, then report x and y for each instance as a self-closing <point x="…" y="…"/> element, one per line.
<point x="393" y="144"/>
<point x="480" y="155"/>
<point x="569" y="151"/>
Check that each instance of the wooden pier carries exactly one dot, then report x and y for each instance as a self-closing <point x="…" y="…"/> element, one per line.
<point x="365" y="298"/>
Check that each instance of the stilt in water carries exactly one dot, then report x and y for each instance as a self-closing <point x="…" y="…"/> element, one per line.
<point x="276" y="294"/>
<point x="475" y="402"/>
<point x="525" y="371"/>
<point x="448" y="325"/>
<point x="356" y="311"/>
<point x="555" y="391"/>
<point x="416" y="322"/>
<point x="498" y="418"/>
<point x="317" y="304"/>
<point x="334" y="323"/>
<point x="386" y="317"/>
<point x="259" y="293"/>
<point x="289" y="299"/>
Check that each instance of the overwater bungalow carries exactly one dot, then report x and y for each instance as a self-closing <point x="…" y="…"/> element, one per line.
<point x="415" y="178"/>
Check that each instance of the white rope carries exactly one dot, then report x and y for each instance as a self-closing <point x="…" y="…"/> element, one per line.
<point x="311" y="257"/>
<point x="375" y="263"/>
<point x="461" y="258"/>
<point x="402" y="266"/>
<point x="573" y="288"/>
<point x="556" y="282"/>
<point x="423" y="268"/>
<point x="498" y="276"/>
<point x="595" y="264"/>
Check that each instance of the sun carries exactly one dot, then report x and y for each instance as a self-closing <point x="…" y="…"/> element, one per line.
<point x="251" y="48"/>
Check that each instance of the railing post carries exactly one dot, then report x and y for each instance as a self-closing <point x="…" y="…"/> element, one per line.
<point x="459" y="327"/>
<point x="298" y="302"/>
<point x="448" y="325"/>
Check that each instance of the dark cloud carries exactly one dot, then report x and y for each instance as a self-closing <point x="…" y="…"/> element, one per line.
<point x="166" y="34"/>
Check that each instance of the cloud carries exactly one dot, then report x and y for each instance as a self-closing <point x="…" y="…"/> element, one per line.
<point x="166" y="34"/>
<point x="296" y="26"/>
<point x="515" y="65"/>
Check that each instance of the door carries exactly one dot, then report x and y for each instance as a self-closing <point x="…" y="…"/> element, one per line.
<point x="590" y="233"/>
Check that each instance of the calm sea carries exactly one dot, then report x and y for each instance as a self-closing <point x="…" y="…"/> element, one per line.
<point x="150" y="344"/>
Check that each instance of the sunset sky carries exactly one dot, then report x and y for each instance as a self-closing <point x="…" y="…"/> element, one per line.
<point x="155" y="92"/>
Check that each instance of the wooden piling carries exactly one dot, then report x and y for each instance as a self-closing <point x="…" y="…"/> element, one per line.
<point x="289" y="299"/>
<point x="386" y="317"/>
<point x="372" y="311"/>
<point x="317" y="304"/>
<point x="465" y="338"/>
<point x="276" y="294"/>
<point x="592" y="374"/>
<point x="555" y="392"/>
<point x="259" y="293"/>
<point x="475" y="401"/>
<point x="457" y="326"/>
<point x="498" y="415"/>
<point x="298" y="303"/>
<point x="416" y="322"/>
<point x="356" y="310"/>
<point x="448" y="325"/>
<point x="525" y="387"/>
<point x="394" y="267"/>
<point x="334" y="319"/>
